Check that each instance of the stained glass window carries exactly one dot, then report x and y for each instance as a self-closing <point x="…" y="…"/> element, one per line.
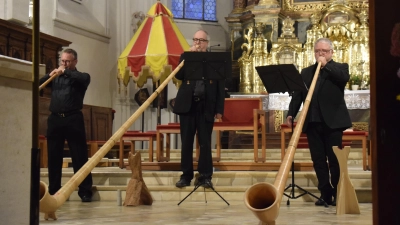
<point x="195" y="9"/>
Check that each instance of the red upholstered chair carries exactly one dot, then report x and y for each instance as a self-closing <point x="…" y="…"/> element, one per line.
<point x="348" y="136"/>
<point x="243" y="114"/>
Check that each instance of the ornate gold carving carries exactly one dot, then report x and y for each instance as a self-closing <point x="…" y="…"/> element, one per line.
<point x="260" y="55"/>
<point x="246" y="64"/>
<point x="268" y="2"/>
<point x="288" y="29"/>
<point x="287" y="50"/>
<point x="239" y="6"/>
<point x="291" y="6"/>
<point x="350" y="36"/>
<point x="278" y="120"/>
<point x="362" y="126"/>
<point x="313" y="34"/>
<point x="346" y="27"/>
<point x="288" y="5"/>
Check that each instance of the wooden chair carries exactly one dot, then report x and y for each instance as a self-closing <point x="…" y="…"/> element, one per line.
<point x="243" y="114"/>
<point x="348" y="136"/>
<point x="43" y="151"/>
<point x="94" y="146"/>
<point x="168" y="129"/>
<point x="133" y="136"/>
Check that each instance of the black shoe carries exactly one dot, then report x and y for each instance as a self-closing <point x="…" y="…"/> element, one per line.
<point x="182" y="183"/>
<point x="322" y="201"/>
<point x="203" y="181"/>
<point x="86" y="198"/>
<point x="334" y="202"/>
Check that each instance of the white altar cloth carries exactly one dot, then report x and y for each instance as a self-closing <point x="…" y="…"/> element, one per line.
<point x="277" y="101"/>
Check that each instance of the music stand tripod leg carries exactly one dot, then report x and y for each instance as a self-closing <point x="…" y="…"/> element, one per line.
<point x="212" y="188"/>
<point x="205" y="198"/>
<point x="195" y="188"/>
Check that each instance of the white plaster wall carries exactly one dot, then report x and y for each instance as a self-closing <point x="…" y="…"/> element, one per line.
<point x="15" y="10"/>
<point x="16" y="144"/>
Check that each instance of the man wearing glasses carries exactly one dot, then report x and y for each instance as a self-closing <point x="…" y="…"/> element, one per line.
<point x="66" y="122"/>
<point x="326" y="119"/>
<point x="198" y="103"/>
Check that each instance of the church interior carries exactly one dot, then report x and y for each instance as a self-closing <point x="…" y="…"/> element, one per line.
<point x="130" y="48"/>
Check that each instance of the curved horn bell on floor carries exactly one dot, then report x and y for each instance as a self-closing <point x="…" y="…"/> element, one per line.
<point x="50" y="203"/>
<point x="264" y="199"/>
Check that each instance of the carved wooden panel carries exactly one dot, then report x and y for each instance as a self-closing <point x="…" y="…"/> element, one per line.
<point x="16" y="42"/>
<point x="98" y="120"/>
<point x="87" y="114"/>
<point x="44" y="113"/>
<point x="101" y="123"/>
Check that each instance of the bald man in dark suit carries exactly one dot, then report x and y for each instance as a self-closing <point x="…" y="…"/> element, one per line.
<point x="198" y="103"/>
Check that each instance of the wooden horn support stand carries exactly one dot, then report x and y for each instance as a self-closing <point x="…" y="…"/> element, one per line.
<point x="50" y="203"/>
<point x="264" y="199"/>
<point x="346" y="200"/>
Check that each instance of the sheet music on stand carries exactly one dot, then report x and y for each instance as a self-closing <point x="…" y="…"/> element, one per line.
<point x="207" y="65"/>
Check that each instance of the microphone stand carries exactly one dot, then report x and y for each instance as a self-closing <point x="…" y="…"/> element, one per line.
<point x="213" y="46"/>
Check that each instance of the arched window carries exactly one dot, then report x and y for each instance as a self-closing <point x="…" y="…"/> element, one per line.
<point x="195" y="9"/>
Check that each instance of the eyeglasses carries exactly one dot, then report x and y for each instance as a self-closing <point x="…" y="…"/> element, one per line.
<point x="325" y="51"/>
<point x="200" y="40"/>
<point x="66" y="61"/>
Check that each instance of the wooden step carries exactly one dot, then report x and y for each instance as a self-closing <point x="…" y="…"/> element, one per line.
<point x="108" y="182"/>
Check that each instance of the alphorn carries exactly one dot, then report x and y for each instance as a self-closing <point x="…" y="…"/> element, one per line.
<point x="50" y="203"/>
<point x="47" y="81"/>
<point x="264" y="199"/>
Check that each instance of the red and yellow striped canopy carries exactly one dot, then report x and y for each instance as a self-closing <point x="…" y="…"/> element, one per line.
<point x="154" y="50"/>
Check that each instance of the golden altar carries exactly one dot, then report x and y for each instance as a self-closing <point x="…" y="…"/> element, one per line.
<point x="267" y="32"/>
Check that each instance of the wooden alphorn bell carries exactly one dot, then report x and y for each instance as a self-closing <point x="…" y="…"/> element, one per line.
<point x="264" y="199"/>
<point x="50" y="203"/>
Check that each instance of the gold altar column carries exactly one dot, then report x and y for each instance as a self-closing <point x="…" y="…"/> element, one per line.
<point x="359" y="60"/>
<point x="260" y="55"/>
<point x="313" y="34"/>
<point x="246" y="64"/>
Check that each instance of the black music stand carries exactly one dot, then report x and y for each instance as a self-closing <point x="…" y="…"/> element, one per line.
<point x="207" y="66"/>
<point x="279" y="79"/>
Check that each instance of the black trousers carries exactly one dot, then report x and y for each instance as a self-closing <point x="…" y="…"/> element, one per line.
<point x="190" y="123"/>
<point x="72" y="129"/>
<point x="320" y="140"/>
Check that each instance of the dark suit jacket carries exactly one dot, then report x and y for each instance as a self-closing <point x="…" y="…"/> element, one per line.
<point x="330" y="96"/>
<point x="214" y="95"/>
